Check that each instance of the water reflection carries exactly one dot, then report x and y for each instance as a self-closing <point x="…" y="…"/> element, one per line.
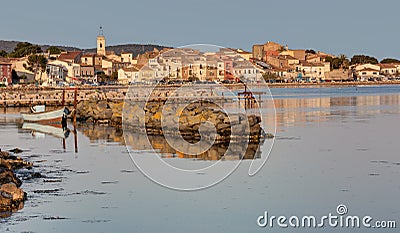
<point x="290" y="112"/>
<point x="139" y="142"/>
<point x="303" y="111"/>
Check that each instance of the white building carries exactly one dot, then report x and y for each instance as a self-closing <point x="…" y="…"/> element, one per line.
<point x="128" y="75"/>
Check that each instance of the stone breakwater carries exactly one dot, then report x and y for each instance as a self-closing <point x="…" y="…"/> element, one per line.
<point x="20" y="98"/>
<point x="12" y="197"/>
<point x="53" y="97"/>
<point x="159" y="118"/>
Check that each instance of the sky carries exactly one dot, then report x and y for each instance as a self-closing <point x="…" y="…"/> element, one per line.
<point x="337" y="26"/>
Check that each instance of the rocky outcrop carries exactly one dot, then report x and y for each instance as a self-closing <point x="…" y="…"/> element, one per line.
<point x="100" y="111"/>
<point x="158" y="118"/>
<point x="12" y="197"/>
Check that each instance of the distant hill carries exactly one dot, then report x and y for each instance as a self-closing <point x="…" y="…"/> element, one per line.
<point x="136" y="49"/>
<point x="130" y="48"/>
<point x="9" y="46"/>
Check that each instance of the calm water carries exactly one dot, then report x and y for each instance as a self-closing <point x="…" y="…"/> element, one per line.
<point x="333" y="146"/>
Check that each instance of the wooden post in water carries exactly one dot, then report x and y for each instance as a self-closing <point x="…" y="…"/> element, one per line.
<point x="64" y="146"/>
<point x="75" y="105"/>
<point x="63" y="98"/>
<point x="75" y="132"/>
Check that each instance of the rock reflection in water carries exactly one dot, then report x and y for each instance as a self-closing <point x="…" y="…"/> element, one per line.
<point x="140" y="142"/>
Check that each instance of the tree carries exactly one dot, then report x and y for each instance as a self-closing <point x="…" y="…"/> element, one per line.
<point x="114" y="76"/>
<point x="54" y="50"/>
<point x="35" y="64"/>
<point x="23" y="49"/>
<point x="311" y="51"/>
<point x="389" y="60"/>
<point x="340" y="62"/>
<point x="270" y="77"/>
<point x="363" y="59"/>
<point x="3" y="53"/>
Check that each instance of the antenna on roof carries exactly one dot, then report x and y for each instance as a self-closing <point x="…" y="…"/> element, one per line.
<point x="101" y="30"/>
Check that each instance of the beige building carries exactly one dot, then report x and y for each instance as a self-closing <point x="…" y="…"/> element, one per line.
<point x="282" y="61"/>
<point x="128" y="75"/>
<point x="299" y="54"/>
<point x="366" y="73"/>
<point x="88" y="59"/>
<point x="127" y="57"/>
<point x="311" y="71"/>
<point x="88" y="72"/>
<point x="260" y="51"/>
<point x="388" y="69"/>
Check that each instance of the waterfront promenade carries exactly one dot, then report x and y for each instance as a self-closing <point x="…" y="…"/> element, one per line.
<point x="23" y="96"/>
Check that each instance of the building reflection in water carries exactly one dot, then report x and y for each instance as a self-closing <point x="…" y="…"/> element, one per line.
<point x="302" y="111"/>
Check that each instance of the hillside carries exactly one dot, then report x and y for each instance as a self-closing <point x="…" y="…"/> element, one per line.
<point x="131" y="48"/>
<point x="136" y="49"/>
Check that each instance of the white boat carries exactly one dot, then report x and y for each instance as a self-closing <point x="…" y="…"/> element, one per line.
<point x="39" y="115"/>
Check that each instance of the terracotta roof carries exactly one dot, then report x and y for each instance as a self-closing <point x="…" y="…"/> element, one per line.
<point x="88" y="55"/>
<point x="131" y="69"/>
<point x="368" y="69"/>
<point x="69" y="55"/>
<point x="387" y="66"/>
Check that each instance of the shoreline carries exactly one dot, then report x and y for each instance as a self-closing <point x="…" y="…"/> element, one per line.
<point x="237" y="85"/>
<point x="26" y="96"/>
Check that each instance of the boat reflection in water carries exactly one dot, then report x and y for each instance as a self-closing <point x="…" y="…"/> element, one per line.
<point x="40" y="130"/>
<point x="140" y="142"/>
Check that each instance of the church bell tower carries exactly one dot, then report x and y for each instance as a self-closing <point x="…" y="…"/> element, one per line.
<point x="101" y="43"/>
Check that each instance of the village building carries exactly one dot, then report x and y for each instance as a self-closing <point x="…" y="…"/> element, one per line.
<point x="260" y="52"/>
<point x="311" y="71"/>
<point x="71" y="57"/>
<point x="128" y="75"/>
<point x="388" y="70"/>
<point x="55" y="74"/>
<point x="299" y="54"/>
<point x="88" y="73"/>
<point x="5" y="74"/>
<point x="88" y="59"/>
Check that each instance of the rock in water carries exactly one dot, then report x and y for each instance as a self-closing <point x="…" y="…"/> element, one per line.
<point x="11" y="196"/>
<point x="16" y="151"/>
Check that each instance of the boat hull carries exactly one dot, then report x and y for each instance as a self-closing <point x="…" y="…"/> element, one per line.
<point x="53" y="118"/>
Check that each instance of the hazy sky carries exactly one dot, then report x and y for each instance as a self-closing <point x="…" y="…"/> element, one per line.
<point x="336" y="26"/>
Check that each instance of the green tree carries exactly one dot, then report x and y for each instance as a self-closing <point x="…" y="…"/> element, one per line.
<point x="389" y="60"/>
<point x="270" y="77"/>
<point x="35" y="64"/>
<point x="363" y="59"/>
<point x="54" y="50"/>
<point x="3" y="53"/>
<point x="311" y="51"/>
<point x="23" y="49"/>
<point x="340" y="62"/>
<point x="114" y="76"/>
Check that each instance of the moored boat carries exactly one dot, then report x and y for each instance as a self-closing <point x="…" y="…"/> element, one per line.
<point x="56" y="118"/>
